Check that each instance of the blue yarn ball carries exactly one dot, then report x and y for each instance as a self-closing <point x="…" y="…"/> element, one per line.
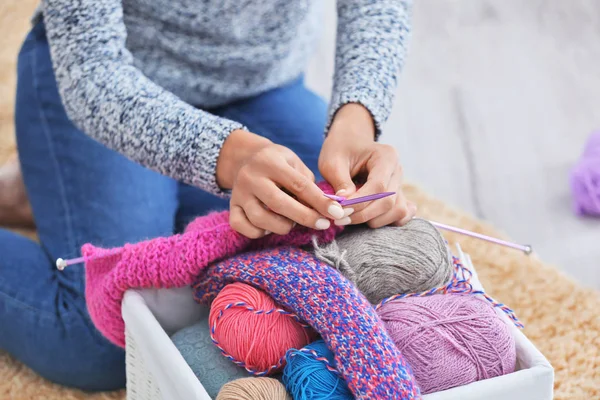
<point x="307" y="378"/>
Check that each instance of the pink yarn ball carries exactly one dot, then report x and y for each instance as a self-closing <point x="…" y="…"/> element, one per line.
<point x="450" y="340"/>
<point x="258" y="339"/>
<point x="585" y="179"/>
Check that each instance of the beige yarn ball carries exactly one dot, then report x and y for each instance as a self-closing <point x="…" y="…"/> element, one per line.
<point x="253" y="389"/>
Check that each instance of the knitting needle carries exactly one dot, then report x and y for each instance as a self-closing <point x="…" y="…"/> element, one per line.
<point x="61" y="264"/>
<point x="524" y="248"/>
<point x="348" y="202"/>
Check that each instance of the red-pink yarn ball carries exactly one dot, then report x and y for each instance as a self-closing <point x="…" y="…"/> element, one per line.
<point x="450" y="340"/>
<point x="259" y="340"/>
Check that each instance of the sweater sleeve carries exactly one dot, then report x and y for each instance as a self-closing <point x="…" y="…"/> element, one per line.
<point x="370" y="50"/>
<point x="114" y="103"/>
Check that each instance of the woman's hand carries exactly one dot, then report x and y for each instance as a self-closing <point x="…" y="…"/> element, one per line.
<point x="351" y="151"/>
<point x="261" y="174"/>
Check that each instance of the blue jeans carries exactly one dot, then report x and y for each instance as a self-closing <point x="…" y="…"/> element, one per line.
<point x="81" y="192"/>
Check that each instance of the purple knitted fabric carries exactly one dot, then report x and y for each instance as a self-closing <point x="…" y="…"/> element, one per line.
<point x="365" y="354"/>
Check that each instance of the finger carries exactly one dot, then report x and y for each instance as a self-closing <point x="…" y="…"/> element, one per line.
<point x="399" y="214"/>
<point x="383" y="211"/>
<point x="380" y="179"/>
<point x="283" y="204"/>
<point x="240" y="223"/>
<point x="336" y="172"/>
<point x="375" y="209"/>
<point x="265" y="219"/>
<point x="307" y="191"/>
<point x="412" y="212"/>
<point x="297" y="163"/>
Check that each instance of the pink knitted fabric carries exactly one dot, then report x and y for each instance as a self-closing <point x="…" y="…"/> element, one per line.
<point x="168" y="262"/>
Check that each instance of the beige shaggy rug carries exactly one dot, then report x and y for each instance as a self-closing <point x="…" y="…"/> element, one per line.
<point x="561" y="317"/>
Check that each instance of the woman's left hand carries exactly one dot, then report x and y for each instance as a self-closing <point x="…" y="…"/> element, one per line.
<point x="350" y="150"/>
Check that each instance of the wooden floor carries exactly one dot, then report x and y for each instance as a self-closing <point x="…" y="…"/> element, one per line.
<point x="495" y="103"/>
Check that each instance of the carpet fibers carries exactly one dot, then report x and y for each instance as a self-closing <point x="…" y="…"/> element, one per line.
<point x="562" y="318"/>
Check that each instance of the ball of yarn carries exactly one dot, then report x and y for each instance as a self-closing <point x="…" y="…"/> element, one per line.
<point x="305" y="377"/>
<point x="253" y="389"/>
<point x="205" y="359"/>
<point x="249" y="333"/>
<point x="390" y="260"/>
<point x="450" y="340"/>
<point x="585" y="179"/>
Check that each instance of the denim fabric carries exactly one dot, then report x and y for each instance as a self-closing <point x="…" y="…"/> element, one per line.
<point x="82" y="192"/>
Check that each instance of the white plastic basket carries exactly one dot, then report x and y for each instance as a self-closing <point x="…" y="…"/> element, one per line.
<point x="157" y="371"/>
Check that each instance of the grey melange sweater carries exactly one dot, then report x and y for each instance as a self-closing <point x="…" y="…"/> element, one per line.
<point x="129" y="71"/>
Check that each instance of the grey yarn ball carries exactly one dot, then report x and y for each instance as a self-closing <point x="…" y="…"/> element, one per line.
<point x="390" y="260"/>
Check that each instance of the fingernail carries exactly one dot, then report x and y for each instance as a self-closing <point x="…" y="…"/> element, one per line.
<point x="343" y="221"/>
<point x="322" y="224"/>
<point x="294" y="225"/>
<point x="340" y="192"/>
<point x="348" y="211"/>
<point x="267" y="233"/>
<point x="336" y="211"/>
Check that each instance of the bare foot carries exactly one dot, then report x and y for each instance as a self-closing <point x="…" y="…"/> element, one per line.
<point x="15" y="210"/>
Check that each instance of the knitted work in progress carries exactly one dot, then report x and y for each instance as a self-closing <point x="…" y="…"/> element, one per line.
<point x="365" y="355"/>
<point x="167" y="262"/>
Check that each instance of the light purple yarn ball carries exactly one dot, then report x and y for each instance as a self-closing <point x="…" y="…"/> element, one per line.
<point x="585" y="179"/>
<point x="450" y="340"/>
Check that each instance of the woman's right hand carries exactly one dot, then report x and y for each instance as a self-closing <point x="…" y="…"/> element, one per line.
<point x="263" y="177"/>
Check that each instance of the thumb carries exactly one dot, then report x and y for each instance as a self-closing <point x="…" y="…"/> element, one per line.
<point x="337" y="173"/>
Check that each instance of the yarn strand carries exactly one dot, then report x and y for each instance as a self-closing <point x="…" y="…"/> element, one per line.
<point x="460" y="284"/>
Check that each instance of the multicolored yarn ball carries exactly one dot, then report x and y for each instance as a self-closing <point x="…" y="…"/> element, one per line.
<point x="253" y="389"/>
<point x="310" y="374"/>
<point x="585" y="179"/>
<point x="450" y="340"/>
<point x="390" y="260"/>
<point x="252" y="330"/>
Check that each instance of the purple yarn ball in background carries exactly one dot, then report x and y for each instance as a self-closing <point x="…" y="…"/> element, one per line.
<point x="585" y="179"/>
<point x="450" y="340"/>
